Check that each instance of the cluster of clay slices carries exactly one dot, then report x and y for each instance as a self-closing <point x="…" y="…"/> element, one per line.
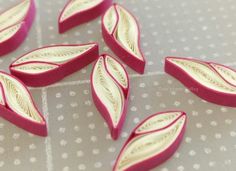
<point x="155" y="139"/>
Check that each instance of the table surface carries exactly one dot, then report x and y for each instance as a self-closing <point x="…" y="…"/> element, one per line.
<point x="78" y="137"/>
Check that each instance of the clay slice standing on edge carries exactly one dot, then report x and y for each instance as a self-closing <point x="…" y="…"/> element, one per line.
<point x="18" y="107"/>
<point x="152" y="142"/>
<point x="121" y="33"/>
<point x="15" y="24"/>
<point x="48" y="65"/>
<point x="212" y="82"/>
<point x="77" y="12"/>
<point x="110" y="91"/>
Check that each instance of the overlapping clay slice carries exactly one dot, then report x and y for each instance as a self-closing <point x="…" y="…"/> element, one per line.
<point x="48" y="65"/>
<point x="77" y="12"/>
<point x="121" y="33"/>
<point x="110" y="90"/>
<point x="15" y="24"/>
<point x="210" y="81"/>
<point x="17" y="106"/>
<point x="152" y="142"/>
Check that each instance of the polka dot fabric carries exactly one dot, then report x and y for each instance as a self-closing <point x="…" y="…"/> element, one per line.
<point x="78" y="136"/>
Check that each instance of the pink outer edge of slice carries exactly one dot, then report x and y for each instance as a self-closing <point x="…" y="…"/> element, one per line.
<point x="28" y="125"/>
<point x="154" y="161"/>
<point x="57" y="74"/>
<point x="134" y="63"/>
<point x="83" y="16"/>
<point x="15" y="41"/>
<point x="115" y="132"/>
<point x="197" y="88"/>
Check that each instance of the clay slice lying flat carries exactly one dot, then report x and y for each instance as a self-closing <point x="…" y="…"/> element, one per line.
<point x="15" y="24"/>
<point x="17" y="106"/>
<point x="121" y="33"/>
<point x="152" y="142"/>
<point x="48" y="65"/>
<point x="77" y="12"/>
<point x="212" y="82"/>
<point x="110" y="91"/>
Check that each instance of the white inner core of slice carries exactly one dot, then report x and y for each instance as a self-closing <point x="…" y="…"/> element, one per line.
<point x="110" y="19"/>
<point x="14" y="15"/>
<point x="56" y="55"/>
<point x="204" y="75"/>
<point x="228" y="74"/>
<point x="158" y="122"/>
<point x="108" y="91"/>
<point x="76" y="6"/>
<point x="8" y="33"/>
<point x="117" y="71"/>
<point x="149" y="145"/>
<point x="127" y="32"/>
<point x="18" y="98"/>
<point x="35" y="68"/>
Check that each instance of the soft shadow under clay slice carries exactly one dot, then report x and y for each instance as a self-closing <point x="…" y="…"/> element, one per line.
<point x="77" y="12"/>
<point x="48" y="65"/>
<point x="210" y="81"/>
<point x="152" y="142"/>
<point x="18" y="107"/>
<point x="121" y="33"/>
<point x="110" y="91"/>
<point x="15" y="24"/>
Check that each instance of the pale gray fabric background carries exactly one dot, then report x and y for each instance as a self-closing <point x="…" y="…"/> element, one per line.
<point x="78" y="138"/>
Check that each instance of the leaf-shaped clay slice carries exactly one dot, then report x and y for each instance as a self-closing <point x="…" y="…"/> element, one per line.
<point x="50" y="64"/>
<point x="212" y="82"/>
<point x="152" y="142"/>
<point x="108" y="94"/>
<point x="15" y="24"/>
<point x="77" y="12"/>
<point x="18" y="107"/>
<point x="122" y="34"/>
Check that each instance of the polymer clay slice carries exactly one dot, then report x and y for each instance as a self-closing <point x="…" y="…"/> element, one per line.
<point x="152" y="142"/>
<point x="15" y="24"/>
<point x="48" y="65"/>
<point x="110" y="91"/>
<point x="212" y="82"/>
<point x="122" y="34"/>
<point x="77" y="12"/>
<point x="17" y="106"/>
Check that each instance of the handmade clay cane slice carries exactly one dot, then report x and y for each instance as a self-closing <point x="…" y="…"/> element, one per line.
<point x="210" y="81"/>
<point x="121" y="33"/>
<point x="110" y="91"/>
<point x="152" y="142"/>
<point x="15" y="24"/>
<point x="48" y="65"/>
<point x="17" y="106"/>
<point x="77" y="12"/>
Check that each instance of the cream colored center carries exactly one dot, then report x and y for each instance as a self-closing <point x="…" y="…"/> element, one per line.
<point x="117" y="71"/>
<point x="14" y="15"/>
<point x="35" y="68"/>
<point x="228" y="74"/>
<point x="76" y="6"/>
<point x="110" y="19"/>
<point x="108" y="92"/>
<point x="158" y="122"/>
<point x="18" y="98"/>
<point x="8" y="33"/>
<point x="127" y="32"/>
<point x="204" y="75"/>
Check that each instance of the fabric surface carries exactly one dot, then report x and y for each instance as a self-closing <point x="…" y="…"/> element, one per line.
<point x="78" y="137"/>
